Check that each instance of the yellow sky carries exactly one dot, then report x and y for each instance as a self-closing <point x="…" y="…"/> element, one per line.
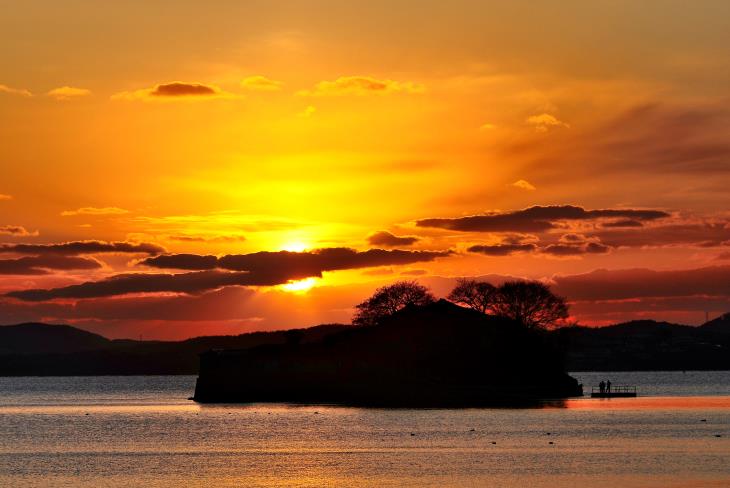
<point x="238" y="127"/>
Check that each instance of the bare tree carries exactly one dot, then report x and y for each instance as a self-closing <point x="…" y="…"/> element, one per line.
<point x="389" y="299"/>
<point x="531" y="303"/>
<point x="478" y="295"/>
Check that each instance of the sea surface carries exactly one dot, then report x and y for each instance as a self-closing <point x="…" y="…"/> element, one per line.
<point x="142" y="431"/>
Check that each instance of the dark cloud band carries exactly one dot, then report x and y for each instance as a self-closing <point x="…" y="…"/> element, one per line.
<point x="257" y="269"/>
<point x="39" y="265"/>
<point x="536" y="219"/>
<point x="82" y="247"/>
<point x="385" y="238"/>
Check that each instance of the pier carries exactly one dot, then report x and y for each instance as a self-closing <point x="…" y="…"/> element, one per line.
<point x="616" y="391"/>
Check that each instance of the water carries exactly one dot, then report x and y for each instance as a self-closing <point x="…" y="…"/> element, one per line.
<point x="141" y="431"/>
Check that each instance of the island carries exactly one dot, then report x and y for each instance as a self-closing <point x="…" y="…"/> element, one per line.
<point x="433" y="355"/>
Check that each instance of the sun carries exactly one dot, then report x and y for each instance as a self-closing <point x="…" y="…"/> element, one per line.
<point x="300" y="286"/>
<point x="295" y="246"/>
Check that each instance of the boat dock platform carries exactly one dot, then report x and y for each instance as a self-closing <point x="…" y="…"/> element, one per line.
<point x="616" y="391"/>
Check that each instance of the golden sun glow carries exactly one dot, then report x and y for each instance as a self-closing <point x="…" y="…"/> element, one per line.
<point x="300" y="286"/>
<point x="295" y="246"/>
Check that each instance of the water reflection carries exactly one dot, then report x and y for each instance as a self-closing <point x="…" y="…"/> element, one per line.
<point x="112" y="435"/>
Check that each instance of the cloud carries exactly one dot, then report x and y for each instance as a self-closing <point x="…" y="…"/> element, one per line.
<point x="173" y="90"/>
<point x="385" y="238"/>
<point x="703" y="234"/>
<point x="5" y="197"/>
<point x="568" y="245"/>
<point x="210" y="272"/>
<point x="535" y="219"/>
<point x="502" y="249"/>
<point x="307" y="112"/>
<point x="623" y="223"/>
<point x="414" y="272"/>
<point x="565" y="250"/>
<point x="220" y="304"/>
<point x="545" y="122"/>
<point x="640" y="283"/>
<point x="178" y="89"/>
<point x="378" y="272"/>
<point x="95" y="211"/>
<point x="124" y="284"/>
<point x="361" y="85"/>
<point x="15" y="91"/>
<point x="524" y="185"/>
<point x="16" y="231"/>
<point x="601" y="297"/>
<point x="257" y="269"/>
<point x="295" y="265"/>
<point x="74" y="248"/>
<point x="68" y="93"/>
<point x="722" y="256"/>
<point x="572" y="238"/>
<point x="190" y="262"/>
<point x="487" y="127"/>
<point x="261" y="83"/>
<point x="206" y="238"/>
<point x="39" y="265"/>
<point x="674" y="138"/>
<point x="662" y="139"/>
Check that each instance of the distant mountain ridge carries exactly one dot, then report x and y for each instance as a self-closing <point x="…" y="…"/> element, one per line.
<point x="62" y="350"/>
<point x="46" y="350"/>
<point x="647" y="345"/>
<point x="719" y="325"/>
<point x="38" y="338"/>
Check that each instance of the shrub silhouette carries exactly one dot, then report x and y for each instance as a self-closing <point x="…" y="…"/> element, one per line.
<point x="531" y="303"/>
<point x="477" y="295"/>
<point x="389" y="299"/>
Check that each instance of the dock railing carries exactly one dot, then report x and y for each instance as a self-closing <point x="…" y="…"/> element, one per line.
<point x="618" y="389"/>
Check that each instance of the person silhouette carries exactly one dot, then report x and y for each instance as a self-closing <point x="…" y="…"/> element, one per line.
<point x="602" y="386"/>
<point x="608" y="386"/>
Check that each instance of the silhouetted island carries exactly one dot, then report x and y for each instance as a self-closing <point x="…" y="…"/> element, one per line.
<point x="435" y="355"/>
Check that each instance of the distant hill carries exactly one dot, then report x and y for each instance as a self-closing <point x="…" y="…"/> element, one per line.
<point x="61" y="350"/>
<point x="720" y="325"/>
<point x="646" y="345"/>
<point x="35" y="338"/>
<point x="42" y="349"/>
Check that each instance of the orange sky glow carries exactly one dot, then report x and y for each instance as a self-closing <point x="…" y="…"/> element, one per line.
<point x="186" y="169"/>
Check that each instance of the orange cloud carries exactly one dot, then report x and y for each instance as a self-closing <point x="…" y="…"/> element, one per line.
<point x="94" y="211"/>
<point x="175" y="90"/>
<point x="307" y="112"/>
<point x="206" y="238"/>
<point x="16" y="230"/>
<point x="68" y="93"/>
<point x="524" y="185"/>
<point x="39" y="265"/>
<point x="361" y="85"/>
<point x="545" y="122"/>
<point x="261" y="83"/>
<point x="5" y="197"/>
<point x="75" y="248"/>
<point x="15" y="91"/>
<point x="385" y="238"/>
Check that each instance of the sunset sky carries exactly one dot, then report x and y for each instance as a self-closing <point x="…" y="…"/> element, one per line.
<point x="175" y="169"/>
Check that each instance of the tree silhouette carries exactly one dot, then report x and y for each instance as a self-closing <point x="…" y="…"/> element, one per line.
<point x="389" y="299"/>
<point x="531" y="303"/>
<point x="478" y="295"/>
